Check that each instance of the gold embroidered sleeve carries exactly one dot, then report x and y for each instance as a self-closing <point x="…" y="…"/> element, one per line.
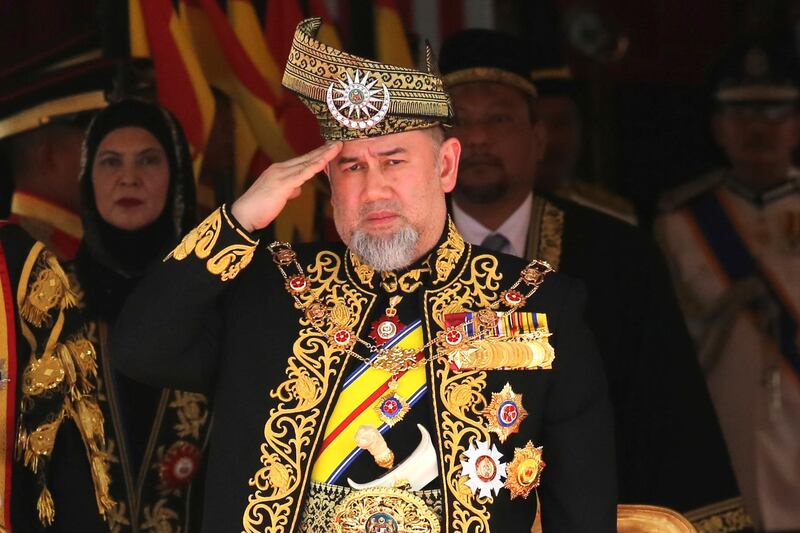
<point x="218" y="241"/>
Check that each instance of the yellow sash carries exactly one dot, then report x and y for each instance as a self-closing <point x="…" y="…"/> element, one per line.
<point x="358" y="405"/>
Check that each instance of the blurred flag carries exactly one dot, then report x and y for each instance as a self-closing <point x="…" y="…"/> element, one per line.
<point x="157" y="32"/>
<point x="327" y="32"/>
<point x="391" y="44"/>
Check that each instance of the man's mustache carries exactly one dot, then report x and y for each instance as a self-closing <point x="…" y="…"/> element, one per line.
<point x="382" y="205"/>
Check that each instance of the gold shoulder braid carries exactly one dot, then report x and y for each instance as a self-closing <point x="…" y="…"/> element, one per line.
<point x="460" y="385"/>
<point x="58" y="381"/>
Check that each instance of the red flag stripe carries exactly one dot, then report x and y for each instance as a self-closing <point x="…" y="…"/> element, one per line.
<point x="238" y="59"/>
<point x="175" y="88"/>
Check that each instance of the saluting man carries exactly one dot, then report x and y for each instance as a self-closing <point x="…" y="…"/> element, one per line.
<point x="733" y="240"/>
<point x="402" y="381"/>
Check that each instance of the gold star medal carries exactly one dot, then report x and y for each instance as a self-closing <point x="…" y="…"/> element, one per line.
<point x="505" y="413"/>
<point x="525" y="470"/>
<point x="392" y="407"/>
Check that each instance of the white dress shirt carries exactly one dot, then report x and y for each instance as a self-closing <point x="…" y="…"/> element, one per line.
<point x="515" y="228"/>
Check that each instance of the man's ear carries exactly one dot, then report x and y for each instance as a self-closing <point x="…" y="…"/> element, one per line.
<point x="449" y="155"/>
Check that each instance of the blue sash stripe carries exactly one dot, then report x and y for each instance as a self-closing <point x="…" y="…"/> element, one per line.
<point x="738" y="263"/>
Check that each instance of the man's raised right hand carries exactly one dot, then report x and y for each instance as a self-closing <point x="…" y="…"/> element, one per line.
<point x="267" y="196"/>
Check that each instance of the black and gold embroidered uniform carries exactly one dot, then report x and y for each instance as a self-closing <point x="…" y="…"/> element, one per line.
<point x="155" y="436"/>
<point x="54" y="470"/>
<point x="275" y="379"/>
<point x="425" y="397"/>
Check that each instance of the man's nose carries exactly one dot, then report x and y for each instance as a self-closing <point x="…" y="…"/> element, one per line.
<point x="376" y="185"/>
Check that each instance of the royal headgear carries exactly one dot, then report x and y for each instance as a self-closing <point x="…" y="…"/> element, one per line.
<point x="354" y="98"/>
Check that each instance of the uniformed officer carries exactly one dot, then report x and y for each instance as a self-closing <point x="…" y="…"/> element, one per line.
<point x="733" y="241"/>
<point x="44" y="115"/>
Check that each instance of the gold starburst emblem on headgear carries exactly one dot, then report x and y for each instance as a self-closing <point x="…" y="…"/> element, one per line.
<point x="363" y="103"/>
<point x="356" y="98"/>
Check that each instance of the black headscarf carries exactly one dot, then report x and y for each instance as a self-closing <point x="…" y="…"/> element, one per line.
<point x="111" y="260"/>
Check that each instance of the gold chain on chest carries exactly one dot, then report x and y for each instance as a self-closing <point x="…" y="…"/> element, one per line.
<point x="396" y="360"/>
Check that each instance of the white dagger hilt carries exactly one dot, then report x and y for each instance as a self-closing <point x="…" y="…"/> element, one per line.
<point x="370" y="439"/>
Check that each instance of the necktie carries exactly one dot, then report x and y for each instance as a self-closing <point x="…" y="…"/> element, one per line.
<point x="495" y="242"/>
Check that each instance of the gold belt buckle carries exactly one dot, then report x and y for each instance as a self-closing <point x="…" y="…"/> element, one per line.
<point x="384" y="510"/>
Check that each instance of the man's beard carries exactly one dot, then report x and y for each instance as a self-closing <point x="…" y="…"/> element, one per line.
<point x="386" y="252"/>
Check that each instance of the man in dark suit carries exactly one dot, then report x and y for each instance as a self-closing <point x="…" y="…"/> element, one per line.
<point x="405" y="380"/>
<point x="670" y="451"/>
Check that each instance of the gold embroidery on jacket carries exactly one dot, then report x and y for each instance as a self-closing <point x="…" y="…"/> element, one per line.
<point x="478" y="291"/>
<point x="551" y="232"/>
<point x="50" y="290"/>
<point x="43" y="297"/>
<point x="160" y="519"/>
<point x="364" y="272"/>
<point x="42" y="374"/>
<point x="448" y="254"/>
<point x="192" y="412"/>
<point x="303" y="402"/>
<point x="225" y="263"/>
<point x="462" y="394"/>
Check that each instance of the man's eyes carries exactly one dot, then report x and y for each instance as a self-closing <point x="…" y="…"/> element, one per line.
<point x="355" y="167"/>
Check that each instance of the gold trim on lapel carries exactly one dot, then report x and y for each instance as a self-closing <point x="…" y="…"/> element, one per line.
<point x="460" y="394"/>
<point x="295" y="426"/>
<point x="545" y="232"/>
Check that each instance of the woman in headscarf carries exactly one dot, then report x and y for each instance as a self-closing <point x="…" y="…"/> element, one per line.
<point x="138" y="199"/>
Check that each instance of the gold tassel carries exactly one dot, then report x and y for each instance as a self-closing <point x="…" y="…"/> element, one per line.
<point x="85" y="361"/>
<point x="69" y="298"/>
<point x="69" y="369"/>
<point x="40" y="443"/>
<point x="102" y="482"/>
<point x="47" y="512"/>
<point x="33" y="314"/>
<point x="89" y="418"/>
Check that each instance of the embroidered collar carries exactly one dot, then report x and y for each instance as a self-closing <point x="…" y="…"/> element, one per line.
<point x="437" y="266"/>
